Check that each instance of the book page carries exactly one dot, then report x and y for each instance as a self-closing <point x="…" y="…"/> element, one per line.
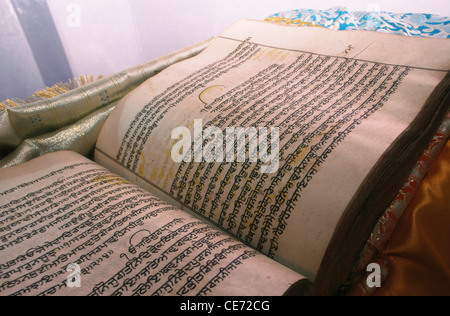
<point x="71" y="227"/>
<point x="312" y="111"/>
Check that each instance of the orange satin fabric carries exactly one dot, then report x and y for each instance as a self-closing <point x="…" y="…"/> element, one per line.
<point x="418" y="254"/>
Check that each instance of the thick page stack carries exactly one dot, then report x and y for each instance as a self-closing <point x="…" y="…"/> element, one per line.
<point x="332" y="123"/>
<point x="70" y="227"/>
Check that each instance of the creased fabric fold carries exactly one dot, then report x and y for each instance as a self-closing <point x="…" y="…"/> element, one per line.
<point x="378" y="248"/>
<point x="24" y="129"/>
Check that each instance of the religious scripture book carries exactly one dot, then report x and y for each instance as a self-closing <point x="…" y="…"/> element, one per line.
<point x="71" y="227"/>
<point x="258" y="167"/>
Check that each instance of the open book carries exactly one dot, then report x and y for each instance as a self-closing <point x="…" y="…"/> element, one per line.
<point x="261" y="165"/>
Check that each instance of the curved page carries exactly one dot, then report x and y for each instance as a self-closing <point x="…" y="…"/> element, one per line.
<point x="70" y="227"/>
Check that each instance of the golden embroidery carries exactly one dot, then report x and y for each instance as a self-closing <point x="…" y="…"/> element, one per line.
<point x="290" y="22"/>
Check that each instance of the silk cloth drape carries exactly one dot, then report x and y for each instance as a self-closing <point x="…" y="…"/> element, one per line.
<point x="73" y="120"/>
<point x="410" y="240"/>
<point x="418" y="253"/>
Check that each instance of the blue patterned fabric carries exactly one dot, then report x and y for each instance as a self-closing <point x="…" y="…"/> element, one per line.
<point x="409" y="24"/>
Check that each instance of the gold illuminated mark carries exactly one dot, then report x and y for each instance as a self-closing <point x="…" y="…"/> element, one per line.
<point x="110" y="179"/>
<point x="141" y="171"/>
<point x="274" y="54"/>
<point x="260" y="54"/>
<point x="284" y="56"/>
<point x="206" y="94"/>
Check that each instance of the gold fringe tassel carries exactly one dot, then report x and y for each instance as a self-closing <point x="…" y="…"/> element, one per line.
<point x="51" y="92"/>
